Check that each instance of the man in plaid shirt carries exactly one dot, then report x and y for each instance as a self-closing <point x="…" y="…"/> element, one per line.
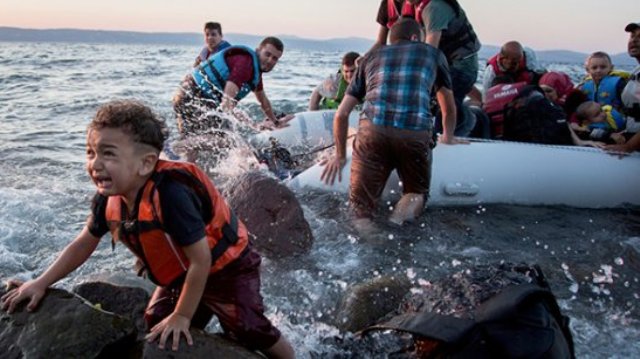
<point x="396" y="83"/>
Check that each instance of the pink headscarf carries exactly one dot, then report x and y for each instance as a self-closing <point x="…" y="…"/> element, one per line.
<point x="559" y="81"/>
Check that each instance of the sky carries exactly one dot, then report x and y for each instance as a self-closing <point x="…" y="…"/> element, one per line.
<point x="579" y="25"/>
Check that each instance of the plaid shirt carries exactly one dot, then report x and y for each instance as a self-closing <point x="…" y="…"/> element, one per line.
<point x="397" y="81"/>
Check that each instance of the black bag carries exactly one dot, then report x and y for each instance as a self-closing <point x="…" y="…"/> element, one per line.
<point x="521" y="321"/>
<point x="531" y="117"/>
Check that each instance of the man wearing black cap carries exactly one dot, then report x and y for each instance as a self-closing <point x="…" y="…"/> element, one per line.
<point x="631" y="92"/>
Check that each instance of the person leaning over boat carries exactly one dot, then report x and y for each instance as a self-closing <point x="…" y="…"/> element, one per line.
<point x="213" y="42"/>
<point x="395" y="129"/>
<point x="224" y="79"/>
<point x="446" y="27"/>
<point x="329" y="94"/>
<point x="631" y="92"/>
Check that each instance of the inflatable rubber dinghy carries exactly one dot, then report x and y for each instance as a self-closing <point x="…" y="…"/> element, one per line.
<point x="312" y="129"/>
<point x="486" y="172"/>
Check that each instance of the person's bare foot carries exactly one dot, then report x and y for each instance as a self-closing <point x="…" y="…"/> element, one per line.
<point x="408" y="208"/>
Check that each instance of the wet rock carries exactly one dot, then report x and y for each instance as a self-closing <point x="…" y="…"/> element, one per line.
<point x="272" y="215"/>
<point x="463" y="291"/>
<point x="129" y="302"/>
<point x="64" y="326"/>
<point x="364" y="304"/>
<point x="204" y="346"/>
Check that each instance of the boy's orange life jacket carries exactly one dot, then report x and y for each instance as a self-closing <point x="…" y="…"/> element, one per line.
<point x="164" y="259"/>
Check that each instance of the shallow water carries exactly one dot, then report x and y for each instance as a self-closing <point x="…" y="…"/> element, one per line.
<point x="48" y="93"/>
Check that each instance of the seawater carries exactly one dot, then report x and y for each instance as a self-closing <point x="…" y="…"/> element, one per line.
<point x="49" y="92"/>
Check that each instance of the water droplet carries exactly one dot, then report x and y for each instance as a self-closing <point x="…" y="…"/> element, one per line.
<point x="619" y="261"/>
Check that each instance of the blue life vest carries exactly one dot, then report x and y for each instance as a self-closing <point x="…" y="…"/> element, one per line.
<point x="214" y="73"/>
<point x="615" y="121"/>
<point x="205" y="53"/>
<point x="606" y="92"/>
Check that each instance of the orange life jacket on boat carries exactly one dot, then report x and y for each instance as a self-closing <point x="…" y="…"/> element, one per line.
<point x="164" y="259"/>
<point x="414" y="11"/>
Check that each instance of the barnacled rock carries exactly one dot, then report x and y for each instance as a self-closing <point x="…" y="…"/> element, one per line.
<point x="64" y="326"/>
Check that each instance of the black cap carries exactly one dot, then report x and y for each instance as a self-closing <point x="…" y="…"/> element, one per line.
<point x="632" y="27"/>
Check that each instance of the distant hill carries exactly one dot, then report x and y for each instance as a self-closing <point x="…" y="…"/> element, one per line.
<point x="293" y="42"/>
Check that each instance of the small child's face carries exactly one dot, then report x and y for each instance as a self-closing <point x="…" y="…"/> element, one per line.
<point x="595" y="114"/>
<point x="114" y="162"/>
<point x="598" y="68"/>
<point x="212" y="38"/>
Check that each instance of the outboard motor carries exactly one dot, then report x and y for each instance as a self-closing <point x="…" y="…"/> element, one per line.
<point x="278" y="159"/>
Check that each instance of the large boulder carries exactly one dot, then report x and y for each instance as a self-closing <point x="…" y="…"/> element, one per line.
<point x="365" y="303"/>
<point x="64" y="326"/>
<point x="272" y="215"/>
<point x="129" y="302"/>
<point x="204" y="346"/>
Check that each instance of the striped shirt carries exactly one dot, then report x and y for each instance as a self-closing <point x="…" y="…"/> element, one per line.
<point x="396" y="83"/>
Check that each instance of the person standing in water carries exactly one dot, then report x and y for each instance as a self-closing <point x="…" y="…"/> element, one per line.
<point x="395" y="130"/>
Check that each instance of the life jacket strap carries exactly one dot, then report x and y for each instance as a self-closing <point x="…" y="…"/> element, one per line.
<point x="229" y="238"/>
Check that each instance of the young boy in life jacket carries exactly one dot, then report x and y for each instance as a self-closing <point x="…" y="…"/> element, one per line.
<point x="213" y="42"/>
<point x="599" y="123"/>
<point x="170" y="215"/>
<point x="603" y="84"/>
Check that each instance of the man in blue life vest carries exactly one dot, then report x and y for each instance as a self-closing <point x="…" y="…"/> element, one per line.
<point x="631" y="93"/>
<point x="395" y="129"/>
<point x="221" y="81"/>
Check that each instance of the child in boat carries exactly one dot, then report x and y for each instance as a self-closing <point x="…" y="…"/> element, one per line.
<point x="213" y="42"/>
<point x="600" y="123"/>
<point x="171" y="216"/>
<point x="603" y="84"/>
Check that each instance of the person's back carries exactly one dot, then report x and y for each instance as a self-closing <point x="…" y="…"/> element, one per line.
<point x="399" y="81"/>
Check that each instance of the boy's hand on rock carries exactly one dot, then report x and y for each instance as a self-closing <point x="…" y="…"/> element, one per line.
<point x="19" y="291"/>
<point x="174" y="325"/>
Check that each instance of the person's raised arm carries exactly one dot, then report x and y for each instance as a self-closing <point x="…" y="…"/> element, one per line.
<point x="314" y="101"/>
<point x="381" y="40"/>
<point x="228" y="100"/>
<point x="71" y="257"/>
<point x="448" y="108"/>
<point x="178" y="322"/>
<point x="265" y="104"/>
<point x="340" y="128"/>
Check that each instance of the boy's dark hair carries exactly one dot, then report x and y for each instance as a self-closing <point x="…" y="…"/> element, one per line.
<point x="134" y="118"/>
<point x="404" y="29"/>
<point x="277" y="43"/>
<point x="213" y="26"/>
<point x="349" y="59"/>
